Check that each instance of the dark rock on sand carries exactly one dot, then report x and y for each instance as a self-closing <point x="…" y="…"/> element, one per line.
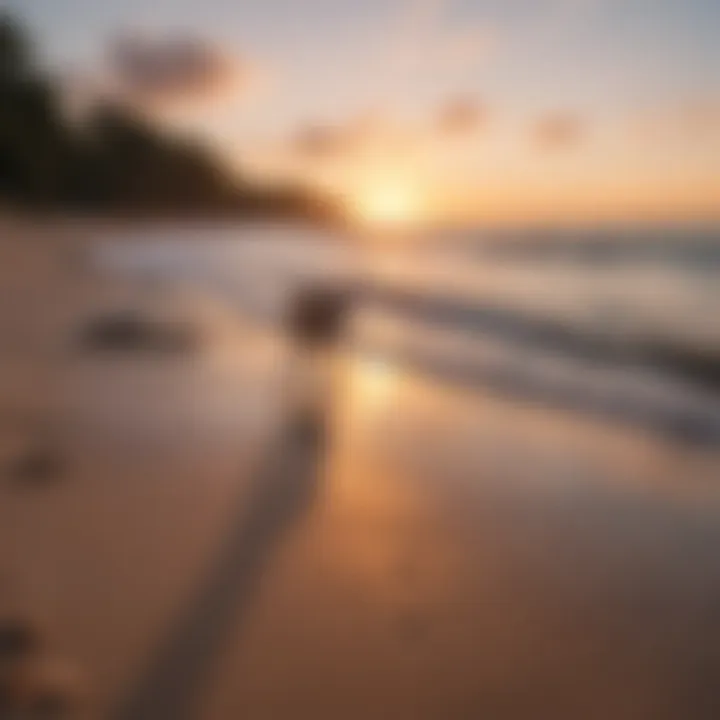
<point x="130" y="331"/>
<point x="318" y="315"/>
<point x="19" y="640"/>
<point x="39" y="691"/>
<point x="53" y="703"/>
<point x="37" y="466"/>
<point x="34" y="686"/>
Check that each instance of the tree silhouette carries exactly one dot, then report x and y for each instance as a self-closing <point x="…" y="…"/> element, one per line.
<point x="14" y="49"/>
<point x="117" y="161"/>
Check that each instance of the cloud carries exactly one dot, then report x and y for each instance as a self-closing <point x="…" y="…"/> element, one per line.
<point x="363" y="133"/>
<point x="461" y="116"/>
<point x="174" y="71"/>
<point x="559" y="130"/>
<point x="320" y="141"/>
<point x="374" y="134"/>
<point x="697" y="119"/>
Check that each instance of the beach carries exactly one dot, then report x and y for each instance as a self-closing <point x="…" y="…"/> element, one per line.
<point x="451" y="549"/>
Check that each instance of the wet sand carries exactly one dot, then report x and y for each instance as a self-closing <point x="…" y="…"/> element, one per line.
<point x="447" y="555"/>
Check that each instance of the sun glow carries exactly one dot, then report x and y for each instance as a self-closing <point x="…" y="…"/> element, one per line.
<point x="374" y="381"/>
<point x="387" y="205"/>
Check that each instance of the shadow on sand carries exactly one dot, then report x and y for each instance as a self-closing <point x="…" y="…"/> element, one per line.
<point x="283" y="492"/>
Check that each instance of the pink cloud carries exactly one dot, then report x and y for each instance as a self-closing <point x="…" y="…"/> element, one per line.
<point x="559" y="130"/>
<point x="173" y="71"/>
<point x="461" y="116"/>
<point x="320" y="141"/>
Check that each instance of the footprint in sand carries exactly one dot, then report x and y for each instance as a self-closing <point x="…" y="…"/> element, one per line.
<point x="27" y="455"/>
<point x="33" y="684"/>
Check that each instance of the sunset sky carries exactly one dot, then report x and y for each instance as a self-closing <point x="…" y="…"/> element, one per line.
<point x="457" y="110"/>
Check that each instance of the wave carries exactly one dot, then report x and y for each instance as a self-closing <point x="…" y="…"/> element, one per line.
<point x="700" y="366"/>
<point x="695" y="250"/>
<point x="672" y="389"/>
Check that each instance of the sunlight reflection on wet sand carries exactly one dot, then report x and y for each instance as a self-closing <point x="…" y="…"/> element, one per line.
<point x="449" y="571"/>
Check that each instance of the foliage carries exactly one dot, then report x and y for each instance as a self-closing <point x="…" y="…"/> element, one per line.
<point x="116" y="161"/>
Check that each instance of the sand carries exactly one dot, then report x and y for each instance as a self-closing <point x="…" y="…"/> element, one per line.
<point x="440" y="555"/>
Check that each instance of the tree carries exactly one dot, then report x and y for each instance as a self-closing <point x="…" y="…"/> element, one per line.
<point x="33" y="137"/>
<point x="118" y="161"/>
<point x="15" y="52"/>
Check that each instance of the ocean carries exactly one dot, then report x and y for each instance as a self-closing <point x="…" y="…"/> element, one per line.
<point x="619" y="326"/>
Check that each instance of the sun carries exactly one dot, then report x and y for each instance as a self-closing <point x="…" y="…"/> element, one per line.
<point x="387" y="205"/>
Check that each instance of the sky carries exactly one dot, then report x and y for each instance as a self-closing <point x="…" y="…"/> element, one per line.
<point x="518" y="111"/>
